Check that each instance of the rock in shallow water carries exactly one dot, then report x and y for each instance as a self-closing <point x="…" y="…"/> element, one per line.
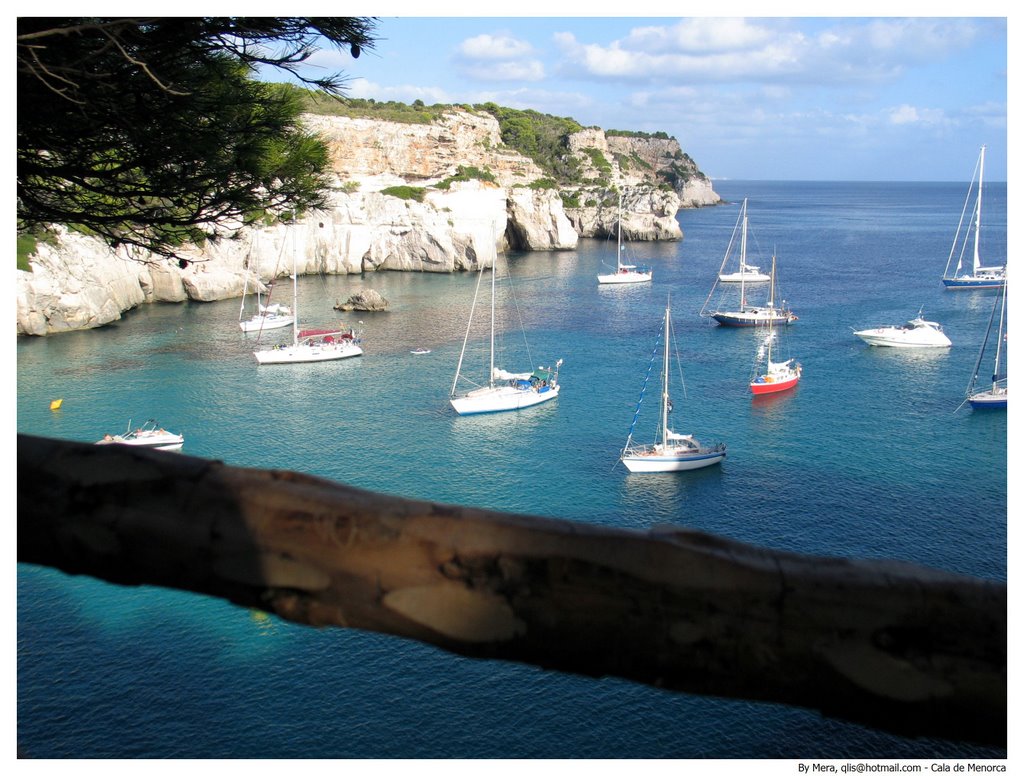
<point x="367" y="300"/>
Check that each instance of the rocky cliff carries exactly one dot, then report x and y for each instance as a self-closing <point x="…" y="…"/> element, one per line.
<point x="455" y="225"/>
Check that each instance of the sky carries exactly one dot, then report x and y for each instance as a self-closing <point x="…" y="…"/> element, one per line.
<point x="756" y="98"/>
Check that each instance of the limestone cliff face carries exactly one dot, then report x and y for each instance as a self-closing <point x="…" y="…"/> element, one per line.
<point x="653" y="175"/>
<point x="421" y="153"/>
<point x="647" y="214"/>
<point x="81" y="283"/>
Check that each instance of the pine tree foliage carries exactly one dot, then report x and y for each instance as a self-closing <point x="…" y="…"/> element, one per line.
<point x="153" y="132"/>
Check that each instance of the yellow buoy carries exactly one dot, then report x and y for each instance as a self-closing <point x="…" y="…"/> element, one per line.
<point x="55" y="404"/>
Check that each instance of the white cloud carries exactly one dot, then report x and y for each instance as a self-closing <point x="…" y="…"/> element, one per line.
<point x="488" y="57"/>
<point x="494" y="47"/>
<point x="920" y="37"/>
<point x="701" y="35"/>
<point x="908" y="114"/>
<point x="719" y="50"/>
<point x="527" y="70"/>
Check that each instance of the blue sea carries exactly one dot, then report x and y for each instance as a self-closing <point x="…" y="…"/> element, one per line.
<point x="869" y="457"/>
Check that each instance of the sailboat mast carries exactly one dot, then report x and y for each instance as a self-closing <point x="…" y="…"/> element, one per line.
<point x="494" y="272"/>
<point x="743" y="258"/>
<point x="771" y="318"/>
<point x="469" y="327"/>
<point x="999" y="342"/>
<point x="977" y="211"/>
<point x="295" y="290"/>
<point x="664" y="381"/>
<point x="618" y="250"/>
<point x="245" y="290"/>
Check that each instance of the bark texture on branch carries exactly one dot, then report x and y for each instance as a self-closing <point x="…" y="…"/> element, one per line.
<point x="891" y="645"/>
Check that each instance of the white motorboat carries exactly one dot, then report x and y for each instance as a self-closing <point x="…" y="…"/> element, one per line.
<point x="503" y="391"/>
<point x="671" y="452"/>
<point x="916" y="333"/>
<point x="148" y="435"/>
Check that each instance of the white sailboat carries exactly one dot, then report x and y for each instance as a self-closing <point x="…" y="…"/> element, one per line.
<point x="624" y="273"/>
<point x="747" y="273"/>
<point x="671" y="452"/>
<point x="979" y="276"/>
<point x="744" y="314"/>
<point x="996" y="395"/>
<point x="503" y="391"/>
<point x="310" y="345"/>
<point x="270" y="316"/>
<point x="777" y="375"/>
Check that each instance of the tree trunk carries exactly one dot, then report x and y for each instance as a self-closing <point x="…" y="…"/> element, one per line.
<point x="894" y="646"/>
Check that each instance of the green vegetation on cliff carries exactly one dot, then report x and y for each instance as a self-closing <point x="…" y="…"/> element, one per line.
<point x="541" y="137"/>
<point x="537" y="136"/>
<point x="415" y="193"/>
<point x="467" y="174"/>
<point x="637" y="134"/>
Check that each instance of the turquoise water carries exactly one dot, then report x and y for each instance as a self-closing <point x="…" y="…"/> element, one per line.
<point x="865" y="458"/>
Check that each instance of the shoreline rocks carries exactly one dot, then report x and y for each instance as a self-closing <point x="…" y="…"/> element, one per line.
<point x="78" y="282"/>
<point x="368" y="300"/>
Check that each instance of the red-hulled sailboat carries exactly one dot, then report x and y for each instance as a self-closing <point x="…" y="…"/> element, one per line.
<point x="777" y="375"/>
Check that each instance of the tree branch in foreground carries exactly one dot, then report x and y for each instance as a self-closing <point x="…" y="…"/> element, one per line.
<point x="894" y="646"/>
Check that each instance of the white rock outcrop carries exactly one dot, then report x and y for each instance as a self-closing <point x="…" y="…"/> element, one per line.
<point x="78" y="282"/>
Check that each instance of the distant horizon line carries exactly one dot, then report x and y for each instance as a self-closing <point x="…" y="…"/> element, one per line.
<point x="838" y="180"/>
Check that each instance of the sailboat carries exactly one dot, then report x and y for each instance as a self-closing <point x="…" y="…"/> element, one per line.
<point x="671" y="452"/>
<point x="504" y="391"/>
<point x="778" y="375"/>
<point x="313" y="344"/>
<point x="996" y="395"/>
<point x="271" y="316"/>
<point x="747" y="314"/>
<point x="979" y="276"/>
<point x="747" y="273"/>
<point x="625" y="273"/>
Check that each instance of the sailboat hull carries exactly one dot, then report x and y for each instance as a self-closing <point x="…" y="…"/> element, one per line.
<point x="754" y="318"/>
<point x="267" y="322"/>
<point x="501" y="398"/>
<point x="967" y="282"/>
<point x="989" y="400"/>
<point x="744" y="277"/>
<point x="625" y="277"/>
<point x="770" y="385"/>
<point x="672" y="462"/>
<point x="300" y="354"/>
